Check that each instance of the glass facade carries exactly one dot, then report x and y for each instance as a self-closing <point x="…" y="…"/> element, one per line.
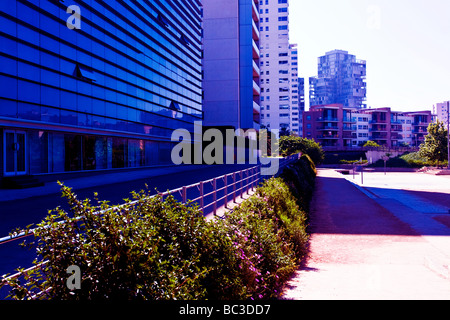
<point x="105" y="95"/>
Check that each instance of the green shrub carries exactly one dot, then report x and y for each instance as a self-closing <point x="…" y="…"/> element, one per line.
<point x="162" y="250"/>
<point x="290" y="145"/>
<point x="151" y="250"/>
<point x="301" y="180"/>
<point x="371" y="144"/>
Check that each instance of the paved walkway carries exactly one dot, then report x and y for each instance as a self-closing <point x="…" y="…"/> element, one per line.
<point x="380" y="240"/>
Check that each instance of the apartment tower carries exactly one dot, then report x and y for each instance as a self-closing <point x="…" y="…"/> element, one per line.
<point x="341" y="79"/>
<point x="231" y="64"/>
<point x="279" y="69"/>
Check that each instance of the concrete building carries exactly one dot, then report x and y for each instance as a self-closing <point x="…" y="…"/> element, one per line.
<point x="280" y="97"/>
<point x="330" y="125"/>
<point x="231" y="64"/>
<point x="341" y="79"/>
<point x="340" y="127"/>
<point x="442" y="111"/>
<point x="98" y="93"/>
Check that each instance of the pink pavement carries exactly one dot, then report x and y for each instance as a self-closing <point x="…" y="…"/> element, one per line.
<point x="359" y="250"/>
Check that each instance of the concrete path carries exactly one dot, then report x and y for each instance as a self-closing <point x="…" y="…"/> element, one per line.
<point x="369" y="242"/>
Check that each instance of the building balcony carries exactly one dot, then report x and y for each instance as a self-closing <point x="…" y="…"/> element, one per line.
<point x="256" y="89"/>
<point x="327" y="119"/>
<point x="327" y="136"/>
<point x="380" y="137"/>
<point x="420" y="124"/>
<point x="256" y="108"/>
<point x="347" y="135"/>
<point x="256" y="70"/>
<point x="326" y="128"/>
<point x="255" y="12"/>
<point x="378" y="130"/>
<point x="255" y="31"/>
<point x="377" y="121"/>
<point x="256" y="51"/>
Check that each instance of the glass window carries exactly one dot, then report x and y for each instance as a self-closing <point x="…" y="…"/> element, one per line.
<point x="8" y="108"/>
<point x="49" y="115"/>
<point x="119" y="155"/>
<point x="29" y="111"/>
<point x="69" y="117"/>
<point x="136" y="153"/>
<point x="72" y="156"/>
<point x="165" y="149"/>
<point x="28" y="91"/>
<point x="56" y="152"/>
<point x="38" y="143"/>
<point x="50" y="96"/>
<point x="9" y="66"/>
<point x="8" y="87"/>
<point x="89" y="156"/>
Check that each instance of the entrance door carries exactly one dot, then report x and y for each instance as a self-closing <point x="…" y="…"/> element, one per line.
<point x="14" y="147"/>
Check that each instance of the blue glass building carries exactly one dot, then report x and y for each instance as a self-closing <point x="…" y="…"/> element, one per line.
<point x="107" y="95"/>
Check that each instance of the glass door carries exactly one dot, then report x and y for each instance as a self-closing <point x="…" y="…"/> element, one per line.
<point x="14" y="147"/>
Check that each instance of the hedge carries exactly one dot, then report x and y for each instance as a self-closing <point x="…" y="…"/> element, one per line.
<point x="163" y="250"/>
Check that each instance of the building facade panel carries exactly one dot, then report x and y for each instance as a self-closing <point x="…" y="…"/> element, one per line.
<point x="105" y="95"/>
<point x="229" y="63"/>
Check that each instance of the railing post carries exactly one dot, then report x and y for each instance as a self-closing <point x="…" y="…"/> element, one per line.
<point x="214" y="196"/>
<point x="202" y="204"/>
<point x="234" y="187"/>
<point x="242" y="183"/>
<point x="226" y="191"/>
<point x="247" y="181"/>
<point x="184" y="195"/>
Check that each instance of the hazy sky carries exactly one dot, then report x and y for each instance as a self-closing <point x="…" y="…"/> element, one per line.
<point x="406" y="44"/>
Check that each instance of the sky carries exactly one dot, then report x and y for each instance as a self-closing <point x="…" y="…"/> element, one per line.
<point x="406" y="44"/>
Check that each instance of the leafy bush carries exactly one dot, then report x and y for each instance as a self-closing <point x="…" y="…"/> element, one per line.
<point x="150" y="250"/>
<point x="371" y="144"/>
<point x="352" y="161"/>
<point x="157" y="249"/>
<point x="301" y="179"/>
<point x="409" y="160"/>
<point x="290" y="145"/>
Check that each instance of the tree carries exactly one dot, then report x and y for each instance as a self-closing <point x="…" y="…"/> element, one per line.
<point x="435" y="146"/>
<point x="290" y="145"/>
<point x="371" y="144"/>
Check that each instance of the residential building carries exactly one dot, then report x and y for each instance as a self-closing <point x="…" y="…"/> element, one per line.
<point x="279" y="69"/>
<point x="301" y="104"/>
<point x="231" y="64"/>
<point x="360" y="127"/>
<point x="420" y="122"/>
<point x="98" y="93"/>
<point x="340" y="127"/>
<point x="442" y="111"/>
<point x="341" y="79"/>
<point x="330" y="125"/>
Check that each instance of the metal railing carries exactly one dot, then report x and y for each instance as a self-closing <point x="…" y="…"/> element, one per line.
<point x="239" y="182"/>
